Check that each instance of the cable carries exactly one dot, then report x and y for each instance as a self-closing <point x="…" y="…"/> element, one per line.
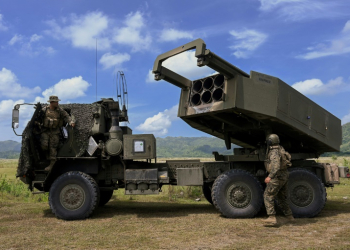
<point x="96" y="69"/>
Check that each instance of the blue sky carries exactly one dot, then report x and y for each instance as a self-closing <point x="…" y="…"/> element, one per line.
<point x="48" y="47"/>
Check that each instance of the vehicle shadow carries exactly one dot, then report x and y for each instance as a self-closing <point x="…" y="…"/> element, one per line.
<point x="333" y="208"/>
<point x="146" y="209"/>
<point x="174" y="209"/>
<point x="152" y="209"/>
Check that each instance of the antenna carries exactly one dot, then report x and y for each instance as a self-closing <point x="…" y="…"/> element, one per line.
<point x="96" y="69"/>
<point x="122" y="90"/>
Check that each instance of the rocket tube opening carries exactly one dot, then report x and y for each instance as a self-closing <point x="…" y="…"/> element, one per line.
<point x="218" y="94"/>
<point x="197" y="86"/>
<point x="208" y="83"/>
<point x="196" y="99"/>
<point x="219" y="81"/>
<point x="206" y="97"/>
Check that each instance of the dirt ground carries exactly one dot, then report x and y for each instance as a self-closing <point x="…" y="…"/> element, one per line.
<point x="155" y="222"/>
<point x="150" y="222"/>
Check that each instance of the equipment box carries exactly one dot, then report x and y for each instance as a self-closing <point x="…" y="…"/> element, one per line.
<point x="139" y="146"/>
<point x="343" y="172"/>
<point x="331" y="172"/>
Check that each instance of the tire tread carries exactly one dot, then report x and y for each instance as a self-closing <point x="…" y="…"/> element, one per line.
<point x="323" y="190"/>
<point x="217" y="202"/>
<point x="95" y="195"/>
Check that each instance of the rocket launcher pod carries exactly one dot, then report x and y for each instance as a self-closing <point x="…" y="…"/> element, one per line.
<point x="243" y="108"/>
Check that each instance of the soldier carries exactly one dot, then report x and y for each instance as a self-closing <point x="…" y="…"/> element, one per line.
<point x="276" y="181"/>
<point x="54" y="119"/>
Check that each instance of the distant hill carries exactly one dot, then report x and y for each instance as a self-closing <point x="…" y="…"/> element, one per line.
<point x="9" y="155"/>
<point x="10" y="146"/>
<point x="345" y="147"/>
<point x="190" y="147"/>
<point x="10" y="149"/>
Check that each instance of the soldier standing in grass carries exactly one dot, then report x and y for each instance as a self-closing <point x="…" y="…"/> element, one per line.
<point x="276" y="165"/>
<point x="54" y="118"/>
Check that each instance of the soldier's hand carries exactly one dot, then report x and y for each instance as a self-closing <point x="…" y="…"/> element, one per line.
<point x="267" y="180"/>
<point x="73" y="125"/>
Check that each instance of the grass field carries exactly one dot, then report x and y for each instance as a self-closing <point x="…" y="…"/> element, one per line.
<point x="163" y="222"/>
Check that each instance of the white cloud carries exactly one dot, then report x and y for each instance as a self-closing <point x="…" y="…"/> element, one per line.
<point x="150" y="77"/>
<point x="345" y="119"/>
<point x="2" y="24"/>
<point x="82" y="31"/>
<point x="174" y="35"/>
<point x="317" y="87"/>
<point x="184" y="64"/>
<point x="246" y="42"/>
<point x="338" y="46"/>
<point x="30" y="45"/>
<point x="10" y="87"/>
<point x="6" y="107"/>
<point x="48" y="50"/>
<point x="15" y="39"/>
<point x="159" y="123"/>
<point x="132" y="33"/>
<point x="109" y="60"/>
<point x="295" y="10"/>
<point x="66" y="89"/>
<point x="35" y="38"/>
<point x="346" y="28"/>
<point x="28" y="49"/>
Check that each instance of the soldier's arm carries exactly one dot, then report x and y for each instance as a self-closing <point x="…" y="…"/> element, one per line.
<point x="66" y="117"/>
<point x="275" y="164"/>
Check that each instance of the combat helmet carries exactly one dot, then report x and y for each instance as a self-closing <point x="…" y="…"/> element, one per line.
<point x="272" y="139"/>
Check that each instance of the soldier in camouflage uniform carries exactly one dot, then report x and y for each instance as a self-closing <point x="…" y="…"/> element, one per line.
<point x="54" y="119"/>
<point x="276" y="182"/>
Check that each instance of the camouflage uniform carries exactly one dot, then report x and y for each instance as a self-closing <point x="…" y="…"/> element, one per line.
<point x="52" y="122"/>
<point x="277" y="187"/>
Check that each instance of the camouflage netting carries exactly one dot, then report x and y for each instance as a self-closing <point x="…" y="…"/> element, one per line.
<point x="83" y="114"/>
<point x="25" y="161"/>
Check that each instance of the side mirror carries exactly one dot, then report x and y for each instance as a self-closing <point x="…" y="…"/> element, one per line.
<point x="15" y="118"/>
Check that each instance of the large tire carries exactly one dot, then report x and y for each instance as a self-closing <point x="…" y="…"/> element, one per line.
<point x="206" y="188"/>
<point x="306" y="193"/>
<point x="105" y="196"/>
<point x="74" y="196"/>
<point x="237" y="194"/>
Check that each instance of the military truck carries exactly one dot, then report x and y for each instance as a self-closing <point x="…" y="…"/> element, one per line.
<point x="99" y="155"/>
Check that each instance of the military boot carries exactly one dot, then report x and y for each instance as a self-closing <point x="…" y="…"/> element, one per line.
<point x="290" y="218"/>
<point x="48" y="168"/>
<point x="271" y="221"/>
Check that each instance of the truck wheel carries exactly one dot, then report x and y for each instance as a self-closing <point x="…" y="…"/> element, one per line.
<point x="105" y="196"/>
<point x="206" y="188"/>
<point x="306" y="193"/>
<point x="237" y="194"/>
<point x="74" y="196"/>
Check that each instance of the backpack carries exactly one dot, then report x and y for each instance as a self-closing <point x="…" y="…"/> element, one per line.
<point x="285" y="158"/>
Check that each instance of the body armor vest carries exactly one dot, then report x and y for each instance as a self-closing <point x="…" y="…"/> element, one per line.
<point x="52" y="119"/>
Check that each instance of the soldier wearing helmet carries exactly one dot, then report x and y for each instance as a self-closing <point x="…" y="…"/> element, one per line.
<point x="276" y="181"/>
<point x="54" y="118"/>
